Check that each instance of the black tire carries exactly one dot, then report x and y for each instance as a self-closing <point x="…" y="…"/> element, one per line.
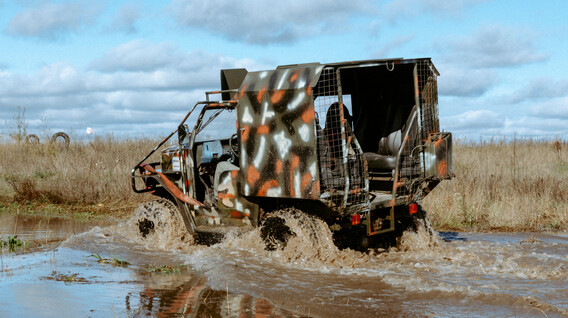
<point x="275" y="233"/>
<point x="159" y="225"/>
<point x="32" y="139"/>
<point x="65" y="137"/>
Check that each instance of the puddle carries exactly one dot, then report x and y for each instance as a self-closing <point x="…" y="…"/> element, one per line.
<point x="451" y="274"/>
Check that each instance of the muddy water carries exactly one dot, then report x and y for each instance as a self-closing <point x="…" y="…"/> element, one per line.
<point x="448" y="274"/>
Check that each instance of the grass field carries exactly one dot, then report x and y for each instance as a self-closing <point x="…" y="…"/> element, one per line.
<point x="499" y="186"/>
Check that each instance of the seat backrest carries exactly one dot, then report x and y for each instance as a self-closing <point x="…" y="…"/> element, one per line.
<point x="390" y="144"/>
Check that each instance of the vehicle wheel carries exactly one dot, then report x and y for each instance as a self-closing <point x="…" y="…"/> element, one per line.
<point x="159" y="220"/>
<point x="275" y="233"/>
<point x="32" y="139"/>
<point x="65" y="137"/>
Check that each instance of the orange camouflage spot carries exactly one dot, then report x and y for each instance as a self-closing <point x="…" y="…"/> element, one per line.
<point x="306" y="179"/>
<point x="261" y="94"/>
<point x="267" y="185"/>
<point x="253" y="175"/>
<point x="236" y="214"/>
<point x="245" y="133"/>
<point x="277" y="96"/>
<point x="295" y="162"/>
<point x="262" y="130"/>
<point x="222" y="196"/>
<point x="278" y="166"/>
<point x="294" y="76"/>
<point x="234" y="173"/>
<point x="309" y="115"/>
<point x="316" y="190"/>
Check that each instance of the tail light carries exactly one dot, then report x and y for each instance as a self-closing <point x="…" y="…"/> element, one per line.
<point x="356" y="219"/>
<point x="413" y="208"/>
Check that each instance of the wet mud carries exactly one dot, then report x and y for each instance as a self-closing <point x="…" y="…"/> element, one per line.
<point x="102" y="270"/>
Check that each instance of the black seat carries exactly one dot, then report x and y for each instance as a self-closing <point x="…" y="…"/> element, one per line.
<point x="385" y="159"/>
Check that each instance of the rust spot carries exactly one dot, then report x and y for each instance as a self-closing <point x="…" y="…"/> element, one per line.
<point x="261" y="94"/>
<point x="262" y="130"/>
<point x="267" y="185"/>
<point x="443" y="168"/>
<point x="309" y="89"/>
<point x="253" y="175"/>
<point x="277" y="96"/>
<point x="242" y="91"/>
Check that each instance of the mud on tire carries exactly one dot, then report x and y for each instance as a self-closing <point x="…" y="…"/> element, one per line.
<point x="275" y="233"/>
<point x="159" y="221"/>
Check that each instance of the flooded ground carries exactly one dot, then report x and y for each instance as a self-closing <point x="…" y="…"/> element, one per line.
<point x="103" y="271"/>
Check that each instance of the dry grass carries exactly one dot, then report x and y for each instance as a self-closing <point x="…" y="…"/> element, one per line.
<point x="511" y="186"/>
<point x="93" y="175"/>
<point x="499" y="185"/>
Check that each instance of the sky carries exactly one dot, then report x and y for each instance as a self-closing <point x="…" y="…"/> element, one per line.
<point x="134" y="68"/>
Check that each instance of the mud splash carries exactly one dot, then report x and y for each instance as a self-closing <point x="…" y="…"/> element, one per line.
<point x="446" y="274"/>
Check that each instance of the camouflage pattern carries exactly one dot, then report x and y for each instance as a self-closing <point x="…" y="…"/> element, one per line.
<point x="276" y="123"/>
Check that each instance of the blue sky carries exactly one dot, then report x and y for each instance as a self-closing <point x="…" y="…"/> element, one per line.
<point x="135" y="67"/>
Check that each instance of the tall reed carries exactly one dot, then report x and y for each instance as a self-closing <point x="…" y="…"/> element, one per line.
<point x="504" y="185"/>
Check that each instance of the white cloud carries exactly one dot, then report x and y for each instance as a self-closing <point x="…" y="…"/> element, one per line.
<point x="553" y="108"/>
<point x="125" y="19"/>
<point x="52" y="20"/>
<point x="125" y="94"/>
<point x="458" y="81"/>
<point x="476" y="119"/>
<point x="494" y="46"/>
<point x="137" y="55"/>
<point x="261" y="22"/>
<point x="404" y="9"/>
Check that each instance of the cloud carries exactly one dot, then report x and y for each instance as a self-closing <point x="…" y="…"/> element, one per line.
<point x="554" y="108"/>
<point x="262" y="22"/>
<point x="119" y="96"/>
<point x="51" y="21"/>
<point x="385" y="50"/>
<point x="126" y="18"/>
<point x="540" y="88"/>
<point x="474" y="119"/>
<point x="455" y="80"/>
<point x="137" y="55"/>
<point x="405" y="9"/>
<point x="495" y="46"/>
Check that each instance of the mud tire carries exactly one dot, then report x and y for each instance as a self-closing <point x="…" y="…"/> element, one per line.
<point x="275" y="233"/>
<point x="32" y="139"/>
<point x="149" y="217"/>
<point x="63" y="135"/>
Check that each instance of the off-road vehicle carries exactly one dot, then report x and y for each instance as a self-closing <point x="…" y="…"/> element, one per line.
<point x="356" y="144"/>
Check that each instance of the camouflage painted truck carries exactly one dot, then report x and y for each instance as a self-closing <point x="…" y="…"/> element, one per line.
<point x="356" y="144"/>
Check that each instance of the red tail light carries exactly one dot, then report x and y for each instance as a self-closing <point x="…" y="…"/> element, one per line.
<point x="413" y="208"/>
<point x="356" y="219"/>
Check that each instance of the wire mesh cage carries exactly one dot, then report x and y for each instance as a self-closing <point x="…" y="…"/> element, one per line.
<point x="342" y="167"/>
